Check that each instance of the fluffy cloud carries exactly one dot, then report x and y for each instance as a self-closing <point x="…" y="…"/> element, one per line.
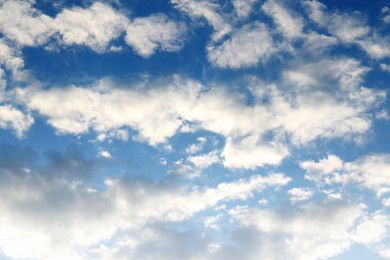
<point x="372" y="229"/>
<point x="246" y="48"/>
<point x="94" y="27"/>
<point x="255" y="134"/>
<point x="288" y="23"/>
<point x="300" y="194"/>
<point x="24" y="24"/>
<point x="12" y="118"/>
<point x="243" y="8"/>
<point x="146" y="35"/>
<point x="349" y="28"/>
<point x="371" y="171"/>
<point x="207" y="10"/>
<point x="51" y="211"/>
<point x="314" y="231"/>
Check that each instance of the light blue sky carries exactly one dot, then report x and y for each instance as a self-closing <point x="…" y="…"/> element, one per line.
<point x="194" y="129"/>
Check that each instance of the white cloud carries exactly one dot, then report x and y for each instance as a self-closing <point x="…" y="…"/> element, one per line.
<point x="149" y="34"/>
<point x="249" y="153"/>
<point x="386" y="14"/>
<point x="372" y="229"/>
<point x="385" y="67"/>
<point x="245" y="48"/>
<point x="347" y="27"/>
<point x="243" y="8"/>
<point x="203" y="161"/>
<point x="20" y="22"/>
<point x="371" y="171"/>
<point x="300" y="194"/>
<point x="207" y="10"/>
<point x="12" y="118"/>
<point x="104" y="154"/>
<point x="194" y="148"/>
<point x="10" y="58"/>
<point x="255" y="134"/>
<point x="350" y="28"/>
<point x="46" y="215"/>
<point x="288" y="23"/>
<point x="314" y="231"/>
<point x="95" y="26"/>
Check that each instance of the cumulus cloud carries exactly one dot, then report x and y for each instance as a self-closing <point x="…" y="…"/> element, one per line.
<point x="315" y="231"/>
<point x="24" y="24"/>
<point x="94" y="27"/>
<point x="351" y="28"/>
<point x="52" y="211"/>
<point x="300" y="194"/>
<point x="14" y="119"/>
<point x="386" y="14"/>
<point x="371" y="171"/>
<point x="385" y="67"/>
<point x="372" y="229"/>
<point x="255" y="134"/>
<point x="288" y="23"/>
<point x="245" y="48"/>
<point x="209" y="11"/>
<point x="243" y="8"/>
<point x="147" y="35"/>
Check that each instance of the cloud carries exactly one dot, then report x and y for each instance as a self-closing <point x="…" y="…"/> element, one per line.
<point x="289" y="23"/>
<point x="94" y="27"/>
<point x="300" y="194"/>
<point x="12" y="118"/>
<point x="313" y="231"/>
<point x="243" y="8"/>
<point x="350" y="28"/>
<point x="371" y="172"/>
<point x="346" y="27"/>
<point x="245" y="48"/>
<point x="194" y="148"/>
<point x="51" y="211"/>
<point x="207" y="10"/>
<point x="203" y="161"/>
<point x="24" y="24"/>
<point x="256" y="134"/>
<point x="372" y="229"/>
<point x="386" y="14"/>
<point x="385" y="67"/>
<point x="149" y="34"/>
<point x="104" y="154"/>
<point x="249" y="153"/>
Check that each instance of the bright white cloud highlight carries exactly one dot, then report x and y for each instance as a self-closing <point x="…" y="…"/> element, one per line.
<point x="245" y="48"/>
<point x="14" y="119"/>
<point x="288" y="23"/>
<point x="315" y="231"/>
<point x="300" y="194"/>
<point x="147" y="35"/>
<point x="371" y="171"/>
<point x="94" y="27"/>
<point x="24" y="24"/>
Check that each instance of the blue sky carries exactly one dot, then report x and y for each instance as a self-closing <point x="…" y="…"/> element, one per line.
<point x="197" y="129"/>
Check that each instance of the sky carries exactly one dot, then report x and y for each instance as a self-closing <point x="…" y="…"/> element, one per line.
<point x="194" y="129"/>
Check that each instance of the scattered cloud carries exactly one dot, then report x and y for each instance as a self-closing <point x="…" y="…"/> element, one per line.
<point x="149" y="34"/>
<point x="300" y="194"/>
<point x="245" y="48"/>
<point x="314" y="231"/>
<point x="14" y="119"/>
<point x="243" y="8"/>
<point x="288" y="23"/>
<point x="94" y="27"/>
<point x="371" y="171"/>
<point x="207" y="10"/>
